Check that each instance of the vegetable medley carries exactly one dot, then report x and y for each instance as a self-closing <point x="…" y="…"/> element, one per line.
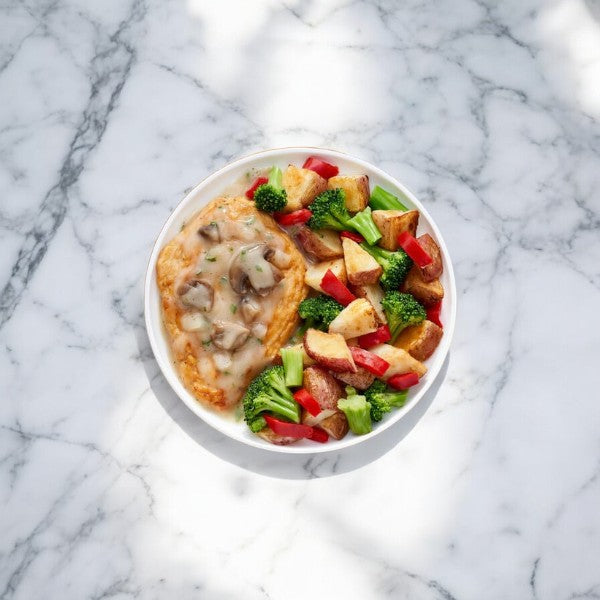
<point x="373" y="315"/>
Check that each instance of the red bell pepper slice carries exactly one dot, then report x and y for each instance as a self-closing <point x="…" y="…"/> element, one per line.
<point x="260" y="181"/>
<point x="307" y="401"/>
<point x="331" y="285"/>
<point x="294" y="218"/>
<point x="380" y="336"/>
<point x="411" y="246"/>
<point x="324" y="169"/>
<point x="433" y="314"/>
<point x="371" y="362"/>
<point x="355" y="237"/>
<point x="318" y="435"/>
<point x="403" y="381"/>
<point x="296" y="430"/>
<point x="287" y="429"/>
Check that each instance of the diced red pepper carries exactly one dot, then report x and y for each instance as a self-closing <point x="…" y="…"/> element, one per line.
<point x="380" y="336"/>
<point x="260" y="181"/>
<point x="294" y="218"/>
<point x="355" y="237"/>
<point x="287" y="429"/>
<point x="331" y="285"/>
<point x="307" y="401"/>
<point x="296" y="430"/>
<point x="371" y="362"/>
<point x="324" y="169"/>
<point x="403" y="381"/>
<point x="433" y="314"/>
<point x="318" y="435"/>
<point x="411" y="246"/>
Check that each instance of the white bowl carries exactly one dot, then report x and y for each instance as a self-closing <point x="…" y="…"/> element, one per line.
<point x="209" y="189"/>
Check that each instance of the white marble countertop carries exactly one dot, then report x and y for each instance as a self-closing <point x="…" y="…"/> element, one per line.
<point x="110" y="111"/>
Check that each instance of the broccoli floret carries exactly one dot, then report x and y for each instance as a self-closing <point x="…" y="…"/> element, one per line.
<point x="357" y="411"/>
<point x="268" y="393"/>
<point x="382" y="400"/>
<point x="319" y="311"/>
<point x="396" y="265"/>
<point x="329" y="212"/>
<point x="401" y="311"/>
<point x="271" y="197"/>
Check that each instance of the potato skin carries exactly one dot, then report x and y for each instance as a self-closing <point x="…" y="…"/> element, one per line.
<point x="301" y="186"/>
<point x="356" y="190"/>
<point x="436" y="268"/>
<point x="279" y="440"/>
<point x="361" y="267"/>
<point x="322" y="245"/>
<point x="421" y="340"/>
<point x="323" y="387"/>
<point x="391" y="223"/>
<point x="360" y="380"/>
<point x="426" y="292"/>
<point x="336" y="425"/>
<point x="329" y="350"/>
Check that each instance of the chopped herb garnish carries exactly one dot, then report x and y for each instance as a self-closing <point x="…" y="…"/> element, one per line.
<point x="258" y="268"/>
<point x="226" y="372"/>
<point x="249" y="220"/>
<point x="206" y="343"/>
<point x="258" y="340"/>
<point x="182" y="226"/>
<point x="230" y="248"/>
<point x="233" y="308"/>
<point x="213" y="223"/>
<point x="199" y="272"/>
<point x="224" y="279"/>
<point x="211" y="258"/>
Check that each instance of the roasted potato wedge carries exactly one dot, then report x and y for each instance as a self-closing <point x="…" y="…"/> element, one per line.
<point x="436" y="268"/>
<point x="301" y="186"/>
<point x="322" y="244"/>
<point x="355" y="320"/>
<point x="323" y="387"/>
<point x="356" y="190"/>
<point x="329" y="350"/>
<point x="400" y="360"/>
<point x="421" y="340"/>
<point x="314" y="273"/>
<point x="333" y="422"/>
<point x="426" y="292"/>
<point x="391" y="223"/>
<point x="361" y="267"/>
<point x="374" y="294"/>
<point x="336" y="425"/>
<point x="360" y="380"/>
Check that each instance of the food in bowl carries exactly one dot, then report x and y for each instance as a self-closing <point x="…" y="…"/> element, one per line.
<point x="303" y="298"/>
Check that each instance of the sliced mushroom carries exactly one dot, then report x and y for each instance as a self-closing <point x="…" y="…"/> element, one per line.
<point x="194" y="321"/>
<point x="211" y="232"/>
<point x="249" y="269"/>
<point x="229" y="336"/>
<point x="222" y="360"/>
<point x="249" y="309"/>
<point x="280" y="259"/>
<point x="197" y="293"/>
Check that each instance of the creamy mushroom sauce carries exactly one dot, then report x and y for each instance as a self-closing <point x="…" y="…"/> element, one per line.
<point x="229" y="368"/>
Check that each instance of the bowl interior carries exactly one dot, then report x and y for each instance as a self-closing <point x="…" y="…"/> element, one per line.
<point x="213" y="186"/>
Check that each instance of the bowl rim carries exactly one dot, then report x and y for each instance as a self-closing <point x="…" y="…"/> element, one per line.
<point x="219" y="422"/>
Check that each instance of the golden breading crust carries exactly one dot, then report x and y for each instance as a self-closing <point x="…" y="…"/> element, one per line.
<point x="174" y="258"/>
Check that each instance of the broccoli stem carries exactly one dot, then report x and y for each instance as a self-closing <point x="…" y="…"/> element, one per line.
<point x="358" y="412"/>
<point x="363" y="223"/>
<point x="384" y="200"/>
<point x="276" y="178"/>
<point x="292" y="365"/>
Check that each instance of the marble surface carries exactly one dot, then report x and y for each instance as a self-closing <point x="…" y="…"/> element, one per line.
<point x="110" y="111"/>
